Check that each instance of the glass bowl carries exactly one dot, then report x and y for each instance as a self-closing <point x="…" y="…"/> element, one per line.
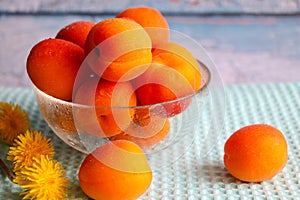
<point x="64" y="118"/>
<point x="77" y="125"/>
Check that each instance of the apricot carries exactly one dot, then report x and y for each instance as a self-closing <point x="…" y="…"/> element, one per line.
<point x="255" y="153"/>
<point x="118" y="49"/>
<point x="52" y="66"/>
<point x="145" y="136"/>
<point x="76" y="32"/>
<point x="152" y="20"/>
<point x="173" y="74"/>
<point x="107" y="113"/>
<point x="117" y="170"/>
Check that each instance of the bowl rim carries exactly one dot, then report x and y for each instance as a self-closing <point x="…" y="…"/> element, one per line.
<point x="206" y="78"/>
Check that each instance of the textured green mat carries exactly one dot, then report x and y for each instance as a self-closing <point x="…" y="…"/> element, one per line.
<point x="196" y="175"/>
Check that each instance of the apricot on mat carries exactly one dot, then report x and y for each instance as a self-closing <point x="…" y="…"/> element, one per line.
<point x="255" y="153"/>
<point x="117" y="170"/>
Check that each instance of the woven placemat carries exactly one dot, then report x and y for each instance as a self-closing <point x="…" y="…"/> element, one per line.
<point x="196" y="175"/>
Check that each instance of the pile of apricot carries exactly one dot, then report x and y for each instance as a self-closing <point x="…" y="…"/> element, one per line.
<point x="125" y="61"/>
<point x="119" y="66"/>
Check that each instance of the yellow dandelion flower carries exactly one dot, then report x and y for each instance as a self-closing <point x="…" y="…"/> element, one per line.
<point x="13" y="122"/>
<point x="27" y="146"/>
<point x="44" y="180"/>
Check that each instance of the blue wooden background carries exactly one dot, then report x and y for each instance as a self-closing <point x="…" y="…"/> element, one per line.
<point x="254" y="41"/>
<point x="166" y="6"/>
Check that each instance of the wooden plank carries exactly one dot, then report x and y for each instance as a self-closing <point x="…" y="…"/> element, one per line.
<point x="170" y="6"/>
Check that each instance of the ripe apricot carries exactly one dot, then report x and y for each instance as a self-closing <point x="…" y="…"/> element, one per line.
<point x="107" y="113"/>
<point x="118" y="49"/>
<point x="152" y="20"/>
<point x="76" y="32"/>
<point x="52" y="66"/>
<point x="255" y="153"/>
<point x="174" y="73"/>
<point x="117" y="170"/>
<point x="147" y="136"/>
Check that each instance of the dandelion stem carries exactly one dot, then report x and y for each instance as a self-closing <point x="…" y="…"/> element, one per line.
<point x="6" y="169"/>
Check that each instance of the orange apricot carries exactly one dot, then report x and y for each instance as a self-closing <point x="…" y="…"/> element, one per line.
<point x="76" y="32"/>
<point x="107" y="113"/>
<point x="152" y="20"/>
<point x="147" y="136"/>
<point x="117" y="170"/>
<point x="52" y="66"/>
<point x="255" y="153"/>
<point x="174" y="73"/>
<point x="118" y="49"/>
